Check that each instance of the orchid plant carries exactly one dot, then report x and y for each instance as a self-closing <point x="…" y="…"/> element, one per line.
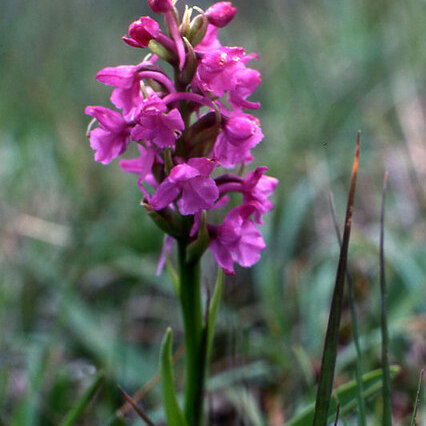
<point x="191" y="130"/>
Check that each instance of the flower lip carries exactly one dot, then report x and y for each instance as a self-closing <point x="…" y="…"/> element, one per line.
<point x="107" y="118"/>
<point x="111" y="138"/>
<point x="221" y="14"/>
<point x="191" y="180"/>
<point x="153" y="124"/>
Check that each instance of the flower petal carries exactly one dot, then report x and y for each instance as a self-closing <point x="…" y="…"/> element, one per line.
<point x="166" y="193"/>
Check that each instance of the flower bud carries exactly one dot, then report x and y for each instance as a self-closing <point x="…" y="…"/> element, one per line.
<point x="186" y="22"/>
<point x="162" y="52"/>
<point x="221" y="13"/>
<point x="241" y="128"/>
<point x="141" y="32"/>
<point x="160" y="6"/>
<point x="198" y="29"/>
<point x="191" y="63"/>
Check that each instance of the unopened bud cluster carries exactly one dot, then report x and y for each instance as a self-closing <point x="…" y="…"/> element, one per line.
<point x="188" y="129"/>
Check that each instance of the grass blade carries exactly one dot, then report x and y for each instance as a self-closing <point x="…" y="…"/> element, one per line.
<point x="174" y="414"/>
<point x="329" y="356"/>
<point x="74" y="414"/>
<point x="362" y="420"/>
<point x="246" y="406"/>
<point x="136" y="407"/>
<point x="386" y="391"/>
<point x="337" y="414"/>
<point x="416" y="404"/>
<point x="125" y="408"/>
<point x="346" y="395"/>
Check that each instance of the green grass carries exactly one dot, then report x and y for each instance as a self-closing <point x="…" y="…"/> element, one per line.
<point x="78" y="290"/>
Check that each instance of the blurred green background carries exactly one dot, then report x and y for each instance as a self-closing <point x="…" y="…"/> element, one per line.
<point x="78" y="254"/>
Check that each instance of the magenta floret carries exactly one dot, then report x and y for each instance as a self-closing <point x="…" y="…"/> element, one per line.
<point x="237" y="239"/>
<point x="112" y="136"/>
<point x="160" y="6"/>
<point x="221" y="13"/>
<point x="141" y="32"/>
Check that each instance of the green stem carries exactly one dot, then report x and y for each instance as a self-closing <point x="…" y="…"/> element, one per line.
<point x="191" y="305"/>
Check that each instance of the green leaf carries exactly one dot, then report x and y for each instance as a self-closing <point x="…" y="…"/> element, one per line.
<point x="74" y="414"/>
<point x="347" y="396"/>
<point x="255" y="371"/>
<point x="174" y="414"/>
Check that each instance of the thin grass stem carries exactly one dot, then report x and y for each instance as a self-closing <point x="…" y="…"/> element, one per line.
<point x="136" y="407"/>
<point x="329" y="356"/>
<point x="336" y="422"/>
<point x="126" y="407"/>
<point x="362" y="420"/>
<point x="74" y="415"/>
<point x="386" y="390"/>
<point x="416" y="403"/>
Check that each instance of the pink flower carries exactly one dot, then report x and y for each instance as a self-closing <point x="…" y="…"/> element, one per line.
<point x="127" y="93"/>
<point x="246" y="82"/>
<point x="237" y="239"/>
<point x="154" y="125"/>
<point x="240" y="134"/>
<point x="256" y="189"/>
<point x="112" y="137"/>
<point x="221" y="13"/>
<point x="224" y="70"/>
<point x="160" y="6"/>
<point x="199" y="191"/>
<point x="185" y="125"/>
<point x="142" y="31"/>
<point x="217" y="70"/>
